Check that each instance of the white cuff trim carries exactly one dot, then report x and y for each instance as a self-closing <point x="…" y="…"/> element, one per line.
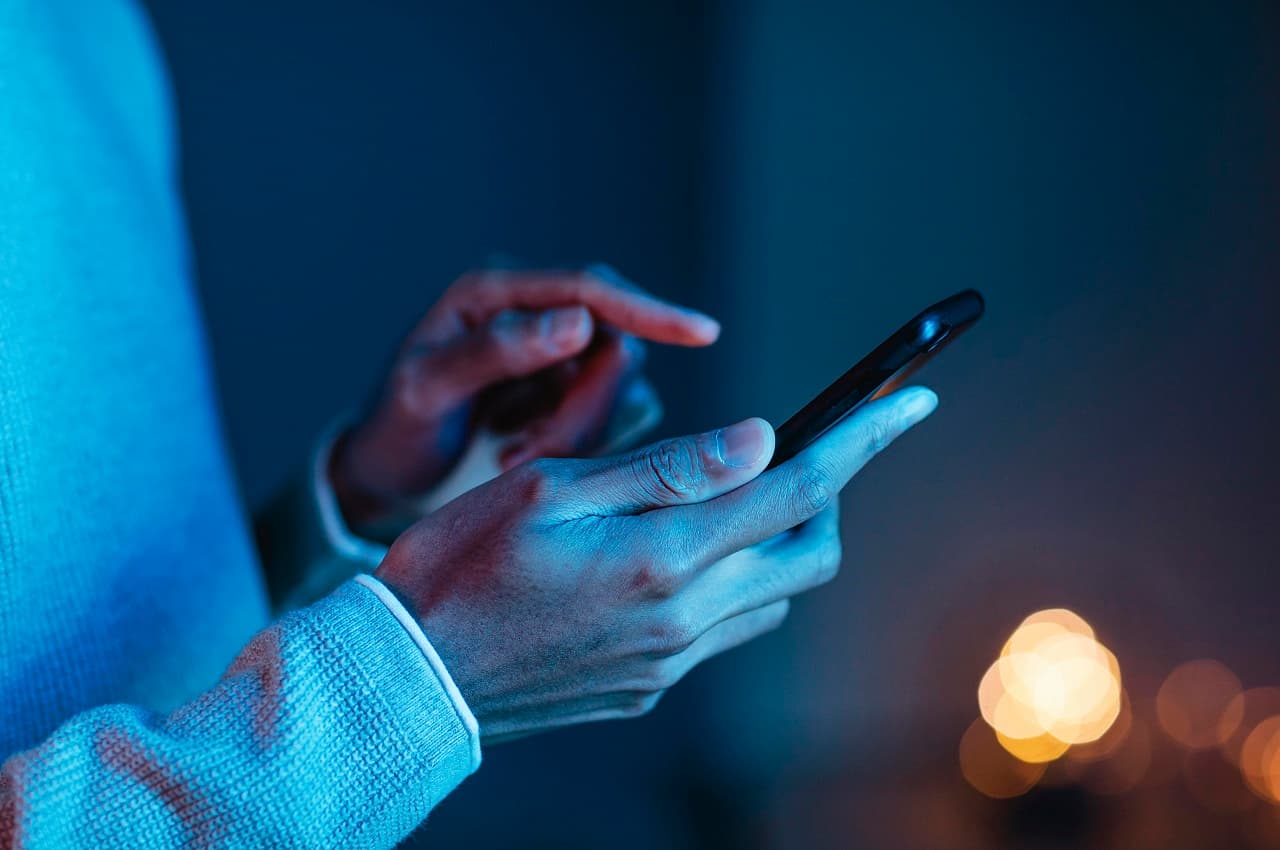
<point x="343" y="541"/>
<point x="411" y="626"/>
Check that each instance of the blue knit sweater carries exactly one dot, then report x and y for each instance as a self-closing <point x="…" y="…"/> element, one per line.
<point x="146" y="699"/>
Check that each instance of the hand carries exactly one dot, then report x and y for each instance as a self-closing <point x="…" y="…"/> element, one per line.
<point x="558" y="348"/>
<point x="574" y="590"/>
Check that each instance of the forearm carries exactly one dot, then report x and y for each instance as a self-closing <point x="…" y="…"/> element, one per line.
<point x="332" y="728"/>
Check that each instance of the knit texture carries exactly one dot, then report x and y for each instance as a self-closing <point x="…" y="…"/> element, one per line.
<point x="329" y="730"/>
<point x="128" y="581"/>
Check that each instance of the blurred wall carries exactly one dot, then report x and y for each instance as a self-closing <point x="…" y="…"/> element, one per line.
<point x="343" y="162"/>
<point x="1107" y="174"/>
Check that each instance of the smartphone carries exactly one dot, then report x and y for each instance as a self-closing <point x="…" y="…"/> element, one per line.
<point x="881" y="372"/>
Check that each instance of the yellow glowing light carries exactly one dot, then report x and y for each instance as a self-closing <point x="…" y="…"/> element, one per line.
<point x="990" y="769"/>
<point x="1016" y="719"/>
<point x="1090" y="686"/>
<point x="1111" y="740"/>
<point x="1197" y="705"/>
<point x="1260" y="760"/>
<point x="1053" y="686"/>
<point x="1042" y="748"/>
<point x="1067" y="620"/>
<point x="1027" y="637"/>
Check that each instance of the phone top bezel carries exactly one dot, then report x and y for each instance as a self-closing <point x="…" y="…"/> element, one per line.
<point x="886" y="368"/>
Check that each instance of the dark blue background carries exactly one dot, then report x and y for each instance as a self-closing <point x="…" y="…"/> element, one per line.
<point x="813" y="173"/>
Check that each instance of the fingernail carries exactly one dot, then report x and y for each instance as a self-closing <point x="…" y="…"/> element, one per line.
<point x="741" y="444"/>
<point x="919" y="404"/>
<point x="565" y="326"/>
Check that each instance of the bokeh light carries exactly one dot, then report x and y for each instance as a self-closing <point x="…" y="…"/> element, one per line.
<point x="1112" y="740"/>
<point x="1197" y="705"/>
<point x="1260" y="760"/>
<point x="1063" y="618"/>
<point x="1055" y="715"/>
<point x="1251" y="708"/>
<point x="1124" y="766"/>
<point x="1042" y="748"/>
<point x="990" y="768"/>
<point x="1053" y="686"/>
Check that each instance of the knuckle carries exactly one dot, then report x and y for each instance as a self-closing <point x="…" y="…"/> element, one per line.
<point x="878" y="433"/>
<point x="674" y="469"/>
<point x="671" y="635"/>
<point x="640" y="704"/>
<point x="663" y="675"/>
<point x="600" y="271"/>
<point x="656" y="579"/>
<point x="471" y="280"/>
<point x="537" y="481"/>
<point x="486" y="284"/>
<point x="413" y="386"/>
<point x="815" y="491"/>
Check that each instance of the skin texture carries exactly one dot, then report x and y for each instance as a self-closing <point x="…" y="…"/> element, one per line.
<point x="566" y="591"/>
<point x="548" y="352"/>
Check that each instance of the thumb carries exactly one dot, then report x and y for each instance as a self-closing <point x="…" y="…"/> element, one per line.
<point x="511" y="345"/>
<point x="679" y="471"/>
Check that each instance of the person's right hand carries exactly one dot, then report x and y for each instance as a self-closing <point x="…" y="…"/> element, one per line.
<point x="572" y="590"/>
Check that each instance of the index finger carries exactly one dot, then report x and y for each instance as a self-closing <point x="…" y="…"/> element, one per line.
<point x="478" y="296"/>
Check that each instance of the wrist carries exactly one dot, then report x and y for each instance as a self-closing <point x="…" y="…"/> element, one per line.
<point x="366" y="510"/>
<point x="358" y="504"/>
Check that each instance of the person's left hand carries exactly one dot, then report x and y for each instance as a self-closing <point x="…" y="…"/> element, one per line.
<point x="546" y="357"/>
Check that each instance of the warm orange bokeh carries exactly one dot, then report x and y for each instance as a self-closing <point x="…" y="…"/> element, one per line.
<point x="1260" y="759"/>
<point x="1197" y="705"/>
<point x="1251" y="707"/>
<point x="1053" y="686"/>
<point x="989" y="768"/>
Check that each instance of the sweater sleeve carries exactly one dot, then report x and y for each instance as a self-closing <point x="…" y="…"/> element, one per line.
<point x="305" y="545"/>
<point x="331" y="729"/>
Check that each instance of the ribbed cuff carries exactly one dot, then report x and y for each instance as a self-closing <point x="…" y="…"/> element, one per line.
<point x="415" y="632"/>
<point x="406" y="683"/>
<point x="355" y="553"/>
